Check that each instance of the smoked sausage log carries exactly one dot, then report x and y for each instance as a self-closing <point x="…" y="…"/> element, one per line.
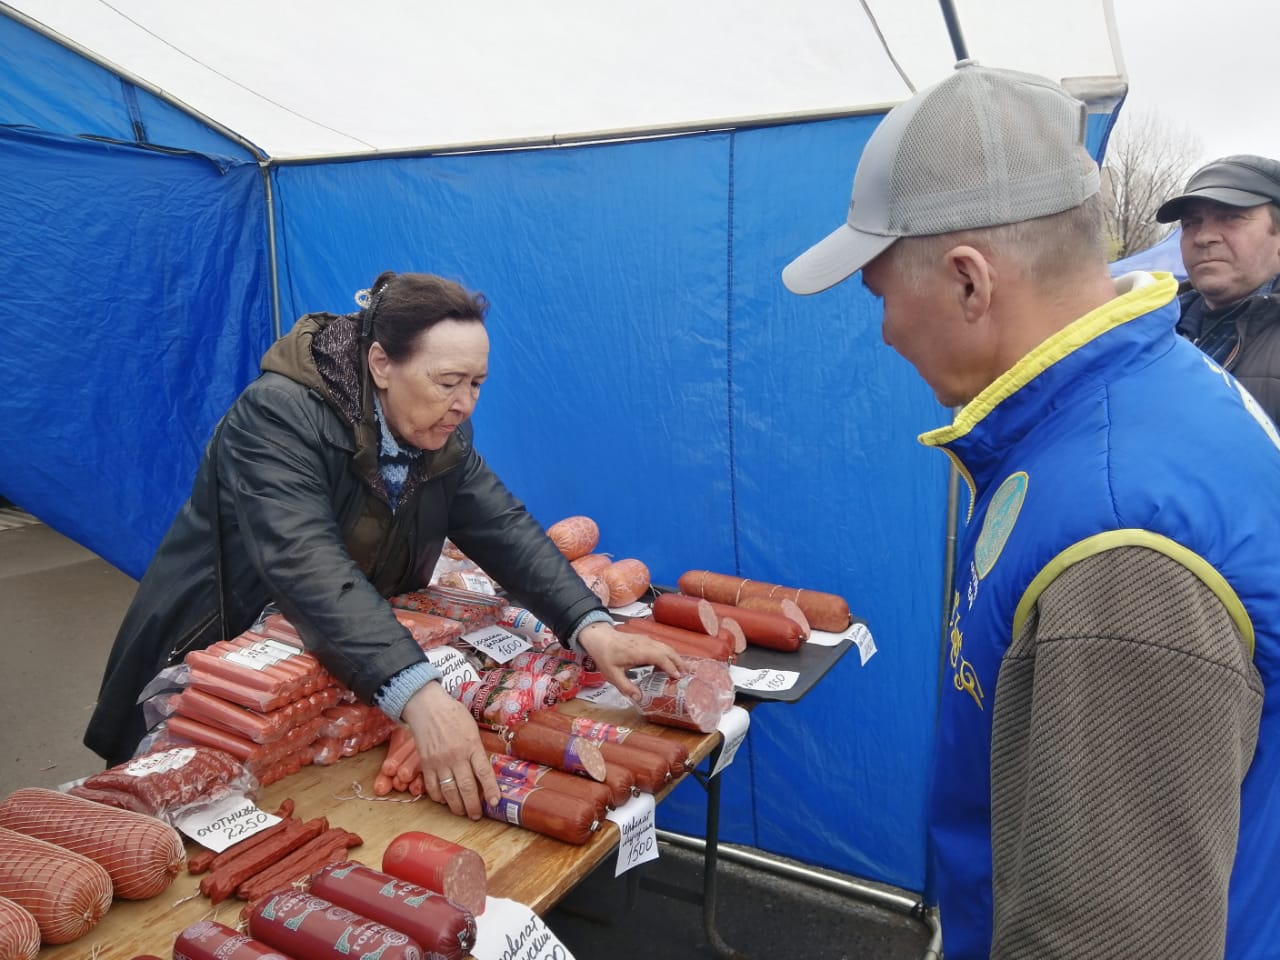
<point x="826" y="611"/>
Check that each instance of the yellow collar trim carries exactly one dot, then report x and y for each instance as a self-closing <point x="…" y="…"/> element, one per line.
<point x="1138" y="294"/>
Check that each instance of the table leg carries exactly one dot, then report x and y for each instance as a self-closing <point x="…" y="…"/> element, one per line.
<point x="710" y="863"/>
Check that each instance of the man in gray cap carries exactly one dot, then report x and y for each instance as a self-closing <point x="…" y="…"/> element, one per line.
<point x="1105" y="783"/>
<point x="1230" y="217"/>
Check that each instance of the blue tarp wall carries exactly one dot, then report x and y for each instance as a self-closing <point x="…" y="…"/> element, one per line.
<point x="648" y="369"/>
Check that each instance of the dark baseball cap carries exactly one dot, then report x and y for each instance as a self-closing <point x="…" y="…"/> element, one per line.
<point x="1242" y="180"/>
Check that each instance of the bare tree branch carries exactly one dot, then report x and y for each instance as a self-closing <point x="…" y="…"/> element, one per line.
<point x="1147" y="161"/>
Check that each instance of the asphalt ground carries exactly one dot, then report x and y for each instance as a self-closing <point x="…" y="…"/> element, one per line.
<point x="60" y="605"/>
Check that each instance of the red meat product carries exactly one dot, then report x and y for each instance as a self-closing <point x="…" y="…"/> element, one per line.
<point x="441" y="866"/>
<point x="430" y="918"/>
<point x="66" y="892"/>
<point x="168" y="778"/>
<point x="687" y="643"/>
<point x="225" y="878"/>
<point x="210" y="940"/>
<point x="695" y="701"/>
<point x="331" y="846"/>
<point x="503" y="696"/>
<point x="429" y="631"/>
<point x="688" y="613"/>
<point x="826" y="611"/>
<point x="306" y="926"/>
<point x="574" y="536"/>
<point x="555" y="749"/>
<point x="591" y="565"/>
<point x="524" y="624"/>
<point x="566" y="673"/>
<point x="233" y="718"/>
<point x="544" y="811"/>
<point x="505" y="765"/>
<point x="472" y="610"/>
<point x="788" y="608"/>
<point x="19" y="932"/>
<point x="141" y="854"/>
<point x="628" y="579"/>
<point x="763" y="628"/>
<point x="676" y="754"/>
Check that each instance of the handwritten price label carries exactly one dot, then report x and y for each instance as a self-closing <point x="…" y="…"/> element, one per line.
<point x="455" y="669"/>
<point x="639" y="843"/>
<point x="498" y="643"/>
<point x="767" y="680"/>
<point x="511" y="931"/>
<point x="230" y="820"/>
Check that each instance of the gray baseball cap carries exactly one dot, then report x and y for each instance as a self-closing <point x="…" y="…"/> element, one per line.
<point x="983" y="148"/>
<point x="1242" y="180"/>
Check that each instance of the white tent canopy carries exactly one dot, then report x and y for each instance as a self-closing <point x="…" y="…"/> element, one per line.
<point x="306" y="79"/>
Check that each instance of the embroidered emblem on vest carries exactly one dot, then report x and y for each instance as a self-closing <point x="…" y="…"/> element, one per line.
<point x="963" y="676"/>
<point x="1006" y="503"/>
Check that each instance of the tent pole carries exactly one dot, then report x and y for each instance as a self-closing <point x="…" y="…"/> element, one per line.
<point x="897" y="902"/>
<point x="273" y="262"/>
<point x="953" y="29"/>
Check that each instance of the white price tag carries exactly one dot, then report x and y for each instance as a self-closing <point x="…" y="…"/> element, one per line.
<point x="733" y="727"/>
<point x="227" y="821"/>
<point x="639" y="837"/>
<point x="499" y="643"/>
<point x="605" y="695"/>
<point x="508" y="930"/>
<point x="764" y="679"/>
<point x="478" y="583"/>
<point x="455" y="669"/>
<point x="636" y="609"/>
<point x="863" y="640"/>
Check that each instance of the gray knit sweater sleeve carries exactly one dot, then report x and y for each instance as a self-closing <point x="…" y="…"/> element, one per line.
<point x="1125" y="717"/>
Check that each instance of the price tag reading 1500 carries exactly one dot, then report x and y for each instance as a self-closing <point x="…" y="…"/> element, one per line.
<point x="498" y="643"/>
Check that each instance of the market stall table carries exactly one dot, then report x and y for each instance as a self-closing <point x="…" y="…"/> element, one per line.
<point x="523" y="866"/>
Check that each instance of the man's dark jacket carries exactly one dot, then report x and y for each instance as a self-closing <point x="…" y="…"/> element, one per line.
<point x="1255" y="361"/>
<point x="289" y="489"/>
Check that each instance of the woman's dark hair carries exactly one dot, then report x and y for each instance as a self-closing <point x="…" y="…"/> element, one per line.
<point x="402" y="305"/>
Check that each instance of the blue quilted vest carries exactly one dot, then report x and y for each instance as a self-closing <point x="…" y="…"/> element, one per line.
<point x="1113" y="432"/>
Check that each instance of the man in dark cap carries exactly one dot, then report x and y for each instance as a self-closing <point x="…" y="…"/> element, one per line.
<point x="1230" y="217"/>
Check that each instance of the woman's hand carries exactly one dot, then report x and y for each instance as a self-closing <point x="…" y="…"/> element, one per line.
<point x="614" y="653"/>
<point x="455" y="767"/>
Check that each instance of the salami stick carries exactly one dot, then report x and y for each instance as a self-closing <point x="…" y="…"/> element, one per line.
<point x="207" y="859"/>
<point x="555" y="749"/>
<point x="826" y="611"/>
<point x="329" y="847"/>
<point x="765" y="628"/>
<point x="687" y="643"/>
<point x="222" y="881"/>
<point x="676" y="753"/>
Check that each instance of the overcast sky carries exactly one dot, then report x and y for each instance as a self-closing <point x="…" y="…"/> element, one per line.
<point x="1207" y="67"/>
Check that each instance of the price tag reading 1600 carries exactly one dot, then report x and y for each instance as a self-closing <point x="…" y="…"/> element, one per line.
<point x="502" y="645"/>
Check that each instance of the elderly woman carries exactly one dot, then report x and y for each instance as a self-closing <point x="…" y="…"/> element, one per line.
<point x="331" y="485"/>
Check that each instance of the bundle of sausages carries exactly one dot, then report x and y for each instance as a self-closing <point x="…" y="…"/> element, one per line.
<point x="63" y="860"/>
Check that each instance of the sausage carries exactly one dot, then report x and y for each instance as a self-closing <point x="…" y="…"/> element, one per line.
<point x="66" y="892"/>
<point x="677" y="754"/>
<point x="304" y="925"/>
<point x="627" y="580"/>
<point x="168" y="778"/>
<point x="542" y="810"/>
<point x="210" y="940"/>
<point x="762" y="627"/>
<point x="19" y="932"/>
<point x="651" y="770"/>
<point x="688" y="613"/>
<point x="224" y="879"/>
<point x="574" y="536"/>
<point x="826" y="611"/>
<point x="788" y="608"/>
<point x="440" y="865"/>
<point x="205" y="860"/>
<point x="430" y="918"/>
<point x="687" y="643"/>
<point x="695" y="701"/>
<point x="505" y="765"/>
<point x="329" y="847"/>
<point x="591" y="565"/>
<point x="555" y="749"/>
<point x="141" y="854"/>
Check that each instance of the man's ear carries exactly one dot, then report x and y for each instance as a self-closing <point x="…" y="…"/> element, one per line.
<point x="379" y="365"/>
<point x="973" y="277"/>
